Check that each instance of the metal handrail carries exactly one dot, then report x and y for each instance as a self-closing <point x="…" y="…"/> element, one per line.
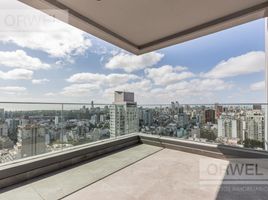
<point x="51" y="103"/>
<point x="106" y="104"/>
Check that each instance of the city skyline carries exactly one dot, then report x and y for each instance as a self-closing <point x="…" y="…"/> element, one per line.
<point x="77" y="67"/>
<point x="25" y="133"/>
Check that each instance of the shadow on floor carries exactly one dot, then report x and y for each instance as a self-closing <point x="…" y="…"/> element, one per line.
<point x="245" y="177"/>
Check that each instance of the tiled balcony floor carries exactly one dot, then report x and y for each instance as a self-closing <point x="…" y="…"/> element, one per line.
<point x="165" y="175"/>
<point x="141" y="172"/>
<point x="168" y="174"/>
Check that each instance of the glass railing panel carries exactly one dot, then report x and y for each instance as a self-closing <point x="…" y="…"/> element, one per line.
<point x="31" y="129"/>
<point x="241" y="125"/>
<point x="28" y="129"/>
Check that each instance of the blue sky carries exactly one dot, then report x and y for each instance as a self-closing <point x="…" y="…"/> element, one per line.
<point x="55" y="62"/>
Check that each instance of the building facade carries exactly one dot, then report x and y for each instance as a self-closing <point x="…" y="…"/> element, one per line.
<point x="123" y="114"/>
<point x="32" y="140"/>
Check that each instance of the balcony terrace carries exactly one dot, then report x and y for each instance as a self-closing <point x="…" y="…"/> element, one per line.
<point x="142" y="167"/>
<point x="127" y="151"/>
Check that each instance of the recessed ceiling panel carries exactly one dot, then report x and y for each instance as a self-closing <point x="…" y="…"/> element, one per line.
<point x="141" y="26"/>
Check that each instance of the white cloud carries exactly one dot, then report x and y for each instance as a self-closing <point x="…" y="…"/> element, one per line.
<point x="187" y="91"/>
<point x="12" y="89"/>
<point x="258" y="86"/>
<point x="138" y="87"/>
<point x="167" y="74"/>
<point x="179" y="68"/>
<point x="147" y="92"/>
<point x="82" y="90"/>
<point x="86" y="84"/>
<point x="40" y="81"/>
<point x="193" y="91"/>
<point x="101" y="87"/>
<point x="166" y="83"/>
<point x="19" y="59"/>
<point x="199" y="86"/>
<point x="17" y="74"/>
<point x="86" y="77"/>
<point x="130" y="63"/>
<point x="102" y="79"/>
<point x="50" y="94"/>
<point x="245" y="64"/>
<point x="52" y="36"/>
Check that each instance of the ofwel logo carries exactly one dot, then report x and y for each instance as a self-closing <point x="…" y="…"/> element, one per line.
<point x="27" y="20"/>
<point x="233" y="171"/>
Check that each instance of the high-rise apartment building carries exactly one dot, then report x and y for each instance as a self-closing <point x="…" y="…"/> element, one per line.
<point x="255" y="125"/>
<point x="123" y="114"/>
<point x="256" y="106"/>
<point x="229" y="127"/>
<point x="218" y="110"/>
<point x="3" y="130"/>
<point x="56" y="121"/>
<point x="32" y="140"/>
<point x="2" y="114"/>
<point x="146" y="115"/>
<point x="210" y="116"/>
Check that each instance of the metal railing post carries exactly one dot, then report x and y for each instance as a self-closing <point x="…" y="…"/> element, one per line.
<point x="266" y="86"/>
<point x="61" y="126"/>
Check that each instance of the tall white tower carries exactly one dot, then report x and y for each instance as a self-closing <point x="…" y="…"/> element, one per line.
<point x="123" y="114"/>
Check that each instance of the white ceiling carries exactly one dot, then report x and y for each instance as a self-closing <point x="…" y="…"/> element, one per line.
<point x="141" y="26"/>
